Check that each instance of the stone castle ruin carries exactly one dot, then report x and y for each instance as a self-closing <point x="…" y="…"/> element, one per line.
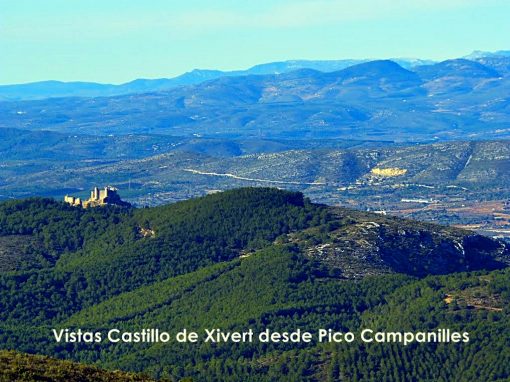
<point x="98" y="197"/>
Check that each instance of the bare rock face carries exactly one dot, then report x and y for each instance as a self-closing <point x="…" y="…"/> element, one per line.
<point x="365" y="245"/>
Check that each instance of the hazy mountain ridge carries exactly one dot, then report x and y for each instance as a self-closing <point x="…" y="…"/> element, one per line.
<point x="376" y="100"/>
<point x="52" y="89"/>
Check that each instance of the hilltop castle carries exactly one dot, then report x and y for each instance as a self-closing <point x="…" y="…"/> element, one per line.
<point x="98" y="197"/>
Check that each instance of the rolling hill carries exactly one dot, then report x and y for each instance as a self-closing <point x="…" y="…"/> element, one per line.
<point x="255" y="258"/>
<point x="462" y="183"/>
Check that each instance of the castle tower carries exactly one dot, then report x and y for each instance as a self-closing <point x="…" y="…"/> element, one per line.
<point x="94" y="194"/>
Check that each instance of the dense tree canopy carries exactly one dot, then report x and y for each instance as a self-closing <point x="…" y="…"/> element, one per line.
<point x="233" y="261"/>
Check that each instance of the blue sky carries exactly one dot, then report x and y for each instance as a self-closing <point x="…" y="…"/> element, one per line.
<point x="116" y="41"/>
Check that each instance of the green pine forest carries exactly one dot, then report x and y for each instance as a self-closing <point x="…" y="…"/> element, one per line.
<point x="256" y="258"/>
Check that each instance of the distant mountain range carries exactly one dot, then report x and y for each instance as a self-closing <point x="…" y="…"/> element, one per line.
<point x="52" y="89"/>
<point x="480" y="54"/>
<point x="376" y="100"/>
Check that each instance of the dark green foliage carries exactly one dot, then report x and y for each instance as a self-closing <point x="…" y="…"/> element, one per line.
<point x="58" y="226"/>
<point x="106" y="254"/>
<point x="22" y="252"/>
<point x="16" y="367"/>
<point x="255" y="258"/>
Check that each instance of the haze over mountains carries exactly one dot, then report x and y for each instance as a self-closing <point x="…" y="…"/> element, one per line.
<point x="53" y="89"/>
<point x="375" y="100"/>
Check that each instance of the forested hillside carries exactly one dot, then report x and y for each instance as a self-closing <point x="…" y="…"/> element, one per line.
<point x="18" y="367"/>
<point x="253" y="258"/>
